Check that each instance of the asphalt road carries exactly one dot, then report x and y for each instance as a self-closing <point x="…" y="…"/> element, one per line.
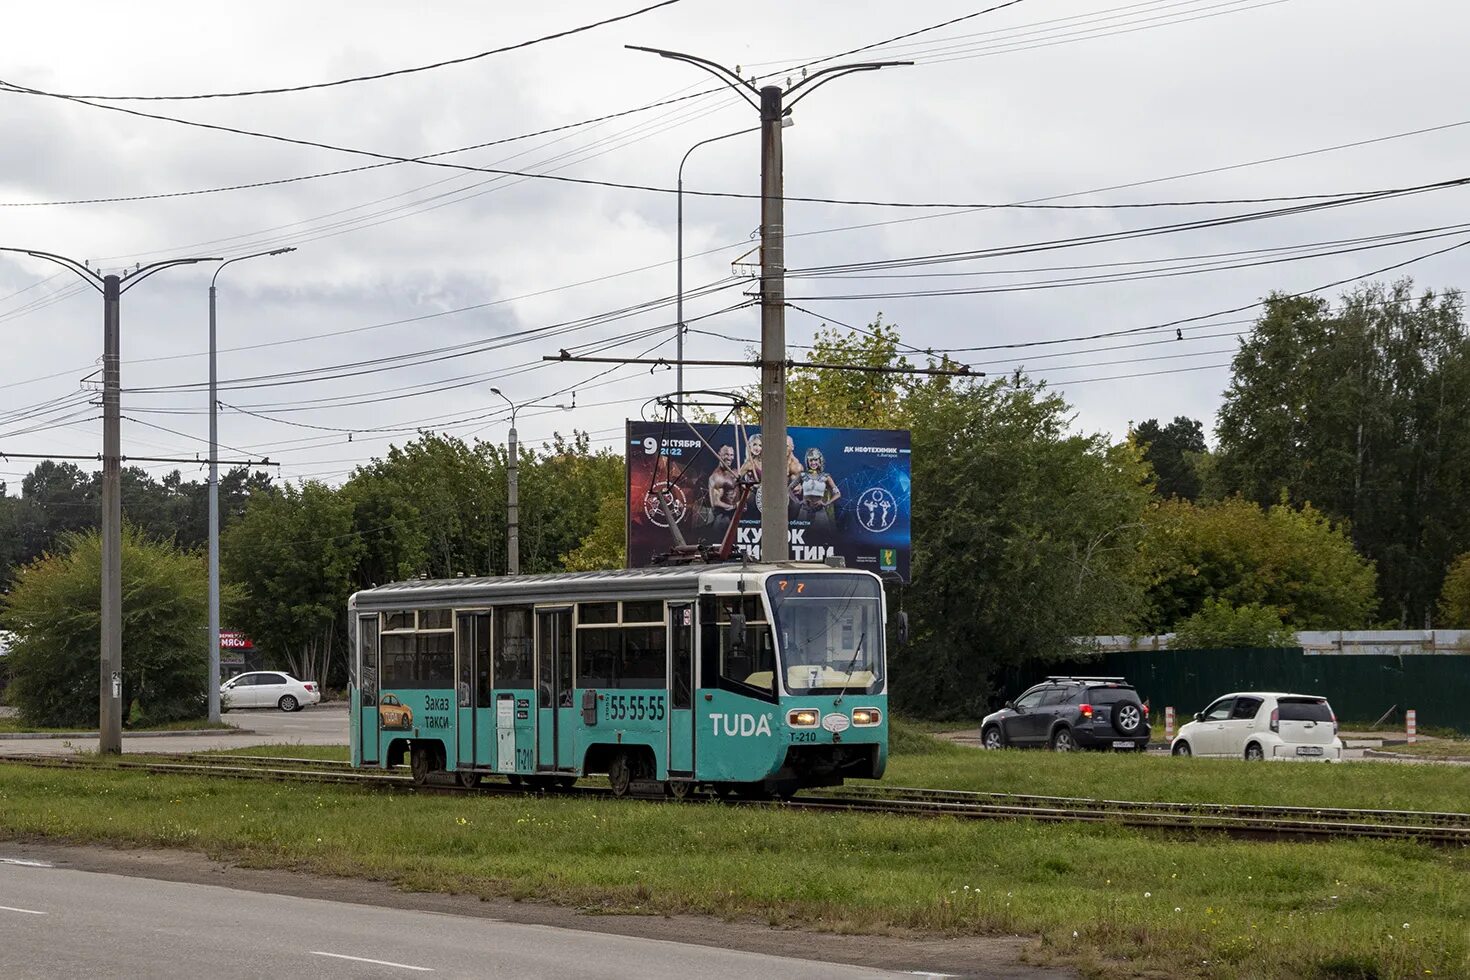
<point x="317" y="725"/>
<point x="59" y="923"/>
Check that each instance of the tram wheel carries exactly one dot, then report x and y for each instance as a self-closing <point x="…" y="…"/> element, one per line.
<point x="620" y="774"/>
<point x="565" y="782"/>
<point x="469" y="779"/>
<point x="420" y="764"/>
<point x="514" y="780"/>
<point x="679" y="789"/>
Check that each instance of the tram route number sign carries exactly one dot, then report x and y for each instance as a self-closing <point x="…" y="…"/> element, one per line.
<point x="633" y="707"/>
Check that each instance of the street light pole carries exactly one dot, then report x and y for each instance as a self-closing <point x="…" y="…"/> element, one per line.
<point x="679" y="302"/>
<point x="770" y="102"/>
<point x="512" y="494"/>
<point x="214" y="485"/>
<point x="109" y="700"/>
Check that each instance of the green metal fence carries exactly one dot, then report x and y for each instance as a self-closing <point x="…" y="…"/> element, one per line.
<point x="1362" y="688"/>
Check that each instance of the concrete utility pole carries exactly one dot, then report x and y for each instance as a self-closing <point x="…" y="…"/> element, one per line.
<point x="110" y="706"/>
<point x="770" y="101"/>
<point x="214" y="485"/>
<point x="513" y="482"/>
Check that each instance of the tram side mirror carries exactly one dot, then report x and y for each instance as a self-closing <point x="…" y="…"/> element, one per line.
<point x="903" y="628"/>
<point x="737" y="633"/>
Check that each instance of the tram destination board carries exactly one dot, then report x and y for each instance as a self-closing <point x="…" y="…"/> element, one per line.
<point x="848" y="491"/>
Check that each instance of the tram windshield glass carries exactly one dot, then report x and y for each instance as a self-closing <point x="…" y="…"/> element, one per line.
<point x="829" y="632"/>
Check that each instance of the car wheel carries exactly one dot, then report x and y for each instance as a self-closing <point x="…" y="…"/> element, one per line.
<point x="620" y="774"/>
<point x="1181" y="749"/>
<point x="1062" y="740"/>
<point x="1254" y="752"/>
<point x="1127" y="717"/>
<point x="287" y="703"/>
<point x="993" y="738"/>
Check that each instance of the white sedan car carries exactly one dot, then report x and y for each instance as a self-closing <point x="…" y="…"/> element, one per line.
<point x="1255" y="725"/>
<point x="269" y="689"/>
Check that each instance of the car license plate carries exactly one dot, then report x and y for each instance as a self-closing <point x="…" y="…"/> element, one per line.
<point x="1122" y="745"/>
<point x="1309" y="750"/>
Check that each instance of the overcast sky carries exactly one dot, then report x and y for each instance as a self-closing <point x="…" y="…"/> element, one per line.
<point x="1044" y="99"/>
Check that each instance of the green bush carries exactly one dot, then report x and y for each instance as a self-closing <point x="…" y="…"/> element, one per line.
<point x="1221" y="626"/>
<point x="54" y="609"/>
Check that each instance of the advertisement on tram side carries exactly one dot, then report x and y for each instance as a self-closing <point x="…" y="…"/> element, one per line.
<point x="848" y="491"/>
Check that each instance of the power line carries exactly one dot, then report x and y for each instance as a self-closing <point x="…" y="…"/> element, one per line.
<point x="384" y="74"/>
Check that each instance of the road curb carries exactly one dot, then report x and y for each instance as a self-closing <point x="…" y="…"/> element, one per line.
<point x="192" y="732"/>
<point x="1376" y="754"/>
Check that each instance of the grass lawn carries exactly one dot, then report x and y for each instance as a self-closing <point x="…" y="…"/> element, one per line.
<point x="1440" y="748"/>
<point x="10" y="725"/>
<point x="1116" y="902"/>
<point x="919" y="760"/>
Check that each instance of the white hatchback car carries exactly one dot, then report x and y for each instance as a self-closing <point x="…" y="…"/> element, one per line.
<point x="1255" y="725"/>
<point x="269" y="689"/>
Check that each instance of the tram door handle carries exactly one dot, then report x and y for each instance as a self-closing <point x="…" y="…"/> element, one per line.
<point x="589" y="707"/>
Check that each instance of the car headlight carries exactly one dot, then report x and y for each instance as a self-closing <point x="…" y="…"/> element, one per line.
<point x="866" y="717"/>
<point x="803" y="718"/>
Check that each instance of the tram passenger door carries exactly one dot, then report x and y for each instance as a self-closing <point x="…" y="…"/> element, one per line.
<point x="681" y="689"/>
<point x="367" y="722"/>
<point x="554" y="711"/>
<point x="472" y="690"/>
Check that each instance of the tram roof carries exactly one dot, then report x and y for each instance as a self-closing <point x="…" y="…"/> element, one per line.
<point x="561" y="585"/>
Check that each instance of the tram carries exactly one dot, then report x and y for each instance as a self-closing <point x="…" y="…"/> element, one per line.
<point x="750" y="679"/>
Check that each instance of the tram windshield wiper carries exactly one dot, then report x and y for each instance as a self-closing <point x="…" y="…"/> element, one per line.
<point x="850" y="665"/>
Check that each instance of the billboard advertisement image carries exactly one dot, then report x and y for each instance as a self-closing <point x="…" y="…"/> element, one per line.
<point x="848" y="491"/>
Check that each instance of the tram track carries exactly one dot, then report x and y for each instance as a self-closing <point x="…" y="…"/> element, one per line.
<point x="1240" y="820"/>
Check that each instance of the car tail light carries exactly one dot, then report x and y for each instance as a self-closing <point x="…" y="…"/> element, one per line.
<point x="1086" y="710"/>
<point x="309" y="686"/>
<point x="1334" y="719"/>
<point x="1276" y="720"/>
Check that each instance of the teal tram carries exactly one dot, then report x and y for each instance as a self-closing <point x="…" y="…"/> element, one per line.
<point x="745" y="679"/>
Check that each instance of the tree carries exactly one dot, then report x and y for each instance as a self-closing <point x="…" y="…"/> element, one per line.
<point x="606" y="546"/>
<point x="1173" y="451"/>
<point x="1454" y="600"/>
<point x="1363" y="411"/>
<point x="54" y="609"/>
<point x="1220" y="626"/>
<point x="1293" y="561"/>
<point x="293" y="555"/>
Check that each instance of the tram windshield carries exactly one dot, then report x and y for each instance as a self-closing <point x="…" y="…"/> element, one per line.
<point x="829" y="632"/>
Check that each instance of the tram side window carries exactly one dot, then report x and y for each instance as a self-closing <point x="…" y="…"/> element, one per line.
<point x="598" y="650"/>
<point x="514" y="667"/>
<point x="748" y="666"/>
<point x="398" y="660"/>
<point x="645" y="658"/>
<point x="436" y="659"/>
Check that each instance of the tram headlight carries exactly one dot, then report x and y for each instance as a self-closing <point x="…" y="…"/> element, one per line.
<point x="866" y="717"/>
<point x="803" y="718"/>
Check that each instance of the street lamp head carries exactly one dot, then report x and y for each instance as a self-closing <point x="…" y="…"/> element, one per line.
<point x="495" y="391"/>
<point x="282" y="251"/>
<point x="787" y="121"/>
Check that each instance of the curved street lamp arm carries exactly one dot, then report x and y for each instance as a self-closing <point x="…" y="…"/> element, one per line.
<point x="827" y="74"/>
<point x="712" y="139"/>
<point x="741" y="87"/>
<point x="91" y="278"/>
<point x="242" y="258"/>
<point x="129" y="281"/>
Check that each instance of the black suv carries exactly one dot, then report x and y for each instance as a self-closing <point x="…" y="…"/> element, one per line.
<point x="1069" y="713"/>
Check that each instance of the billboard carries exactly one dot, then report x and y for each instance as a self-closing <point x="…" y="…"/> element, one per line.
<point x="849" y="491"/>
